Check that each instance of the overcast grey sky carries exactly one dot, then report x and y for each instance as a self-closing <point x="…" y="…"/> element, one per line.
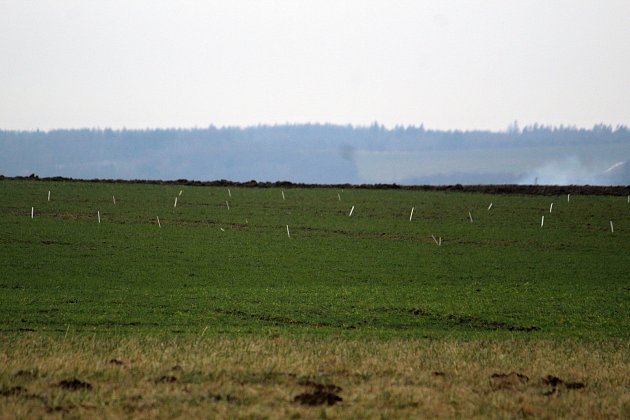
<point x="447" y="64"/>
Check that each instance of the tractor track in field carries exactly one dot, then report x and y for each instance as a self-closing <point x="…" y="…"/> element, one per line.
<point x="275" y="320"/>
<point x="474" y="322"/>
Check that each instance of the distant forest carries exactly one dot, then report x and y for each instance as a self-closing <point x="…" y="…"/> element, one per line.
<point x="326" y="153"/>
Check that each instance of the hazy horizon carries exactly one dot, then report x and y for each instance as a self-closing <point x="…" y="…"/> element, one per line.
<point x="509" y="127"/>
<point x="333" y="154"/>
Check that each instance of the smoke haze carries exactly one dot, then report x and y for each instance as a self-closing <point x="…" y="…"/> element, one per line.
<point x="325" y="153"/>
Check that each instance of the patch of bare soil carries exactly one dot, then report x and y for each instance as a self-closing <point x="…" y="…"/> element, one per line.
<point x="220" y="397"/>
<point x="555" y="383"/>
<point x="512" y="380"/>
<point x="74" y="385"/>
<point x="166" y="379"/>
<point x="517" y="381"/>
<point x="57" y="409"/>
<point x="26" y="373"/>
<point x="14" y="390"/>
<point x="321" y="394"/>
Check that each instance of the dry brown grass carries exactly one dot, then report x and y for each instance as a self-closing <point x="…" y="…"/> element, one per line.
<point x="256" y="377"/>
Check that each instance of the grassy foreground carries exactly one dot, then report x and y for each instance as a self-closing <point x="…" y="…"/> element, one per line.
<point x="262" y="376"/>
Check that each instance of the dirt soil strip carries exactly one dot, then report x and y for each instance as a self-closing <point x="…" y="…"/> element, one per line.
<point x="485" y="189"/>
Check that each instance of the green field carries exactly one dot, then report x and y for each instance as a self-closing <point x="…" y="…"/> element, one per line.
<point x="373" y="274"/>
<point x="218" y="313"/>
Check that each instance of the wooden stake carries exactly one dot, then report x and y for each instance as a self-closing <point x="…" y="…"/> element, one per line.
<point x="282" y="194"/>
<point x="227" y="204"/>
<point x="158" y="220"/>
<point x="470" y="216"/>
<point x="550" y="207"/>
<point x="435" y="240"/>
<point x="288" y="233"/>
<point x="440" y="242"/>
<point x="98" y="213"/>
<point x="339" y="197"/>
<point x="229" y="193"/>
<point x="612" y="229"/>
<point x="175" y="205"/>
<point x="32" y="212"/>
<point x="114" y="199"/>
<point x="351" y="210"/>
<point x="490" y="206"/>
<point x="411" y="215"/>
<point x="568" y="198"/>
<point x="542" y="221"/>
<point x="49" y="195"/>
<point x="180" y="192"/>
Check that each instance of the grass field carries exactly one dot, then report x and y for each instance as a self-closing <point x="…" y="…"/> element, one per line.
<point x="343" y="293"/>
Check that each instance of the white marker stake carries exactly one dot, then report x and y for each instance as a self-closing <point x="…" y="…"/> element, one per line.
<point x="175" y="205"/>
<point x="229" y="193"/>
<point x="490" y="206"/>
<point x="351" y="210"/>
<point x="542" y="221"/>
<point x="114" y="199"/>
<point x="222" y="230"/>
<point x="435" y="240"/>
<point x="98" y="213"/>
<point x="288" y="233"/>
<point x="550" y="207"/>
<point x="470" y="216"/>
<point x="568" y="198"/>
<point x="411" y="215"/>
<point x="440" y="243"/>
<point x="180" y="192"/>
<point x="612" y="229"/>
<point x="283" y="195"/>
<point x="32" y="212"/>
<point x="339" y="197"/>
<point x="158" y="220"/>
<point x="629" y="199"/>
<point x="48" y="195"/>
<point x="227" y="204"/>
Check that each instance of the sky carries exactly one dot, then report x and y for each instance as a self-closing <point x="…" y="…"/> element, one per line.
<point x="445" y="64"/>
